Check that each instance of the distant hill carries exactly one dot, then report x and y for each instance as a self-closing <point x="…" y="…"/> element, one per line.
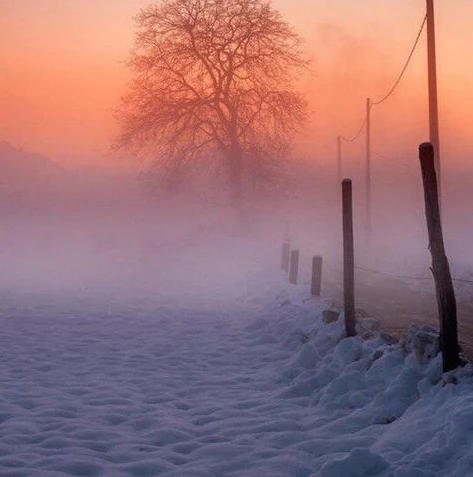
<point x="17" y="162"/>
<point x="32" y="183"/>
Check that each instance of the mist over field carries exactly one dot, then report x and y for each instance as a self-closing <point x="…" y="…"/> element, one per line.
<point x="180" y="294"/>
<point x="95" y="230"/>
<point x="92" y="230"/>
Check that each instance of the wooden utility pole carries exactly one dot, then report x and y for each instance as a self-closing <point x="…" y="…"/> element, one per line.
<point x="339" y="159"/>
<point x="368" y="173"/>
<point x="348" y="259"/>
<point x="433" y="99"/>
<point x="447" y="306"/>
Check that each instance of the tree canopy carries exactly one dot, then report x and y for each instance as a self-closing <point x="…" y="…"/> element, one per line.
<point x="213" y="77"/>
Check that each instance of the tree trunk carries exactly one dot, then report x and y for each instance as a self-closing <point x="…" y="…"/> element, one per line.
<point x="235" y="161"/>
<point x="236" y="181"/>
<point x="235" y="167"/>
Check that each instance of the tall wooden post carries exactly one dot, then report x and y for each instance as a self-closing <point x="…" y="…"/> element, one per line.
<point x="348" y="259"/>
<point x="294" y="267"/>
<point x="368" y="173"/>
<point x="447" y="306"/>
<point x="316" y="282"/>
<point x="433" y="99"/>
<point x="286" y="250"/>
<point x="339" y="159"/>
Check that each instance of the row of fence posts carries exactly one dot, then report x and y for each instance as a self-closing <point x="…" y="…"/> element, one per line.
<point x="290" y="264"/>
<point x="440" y="267"/>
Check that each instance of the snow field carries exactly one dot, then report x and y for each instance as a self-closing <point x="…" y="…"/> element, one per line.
<point x="250" y="382"/>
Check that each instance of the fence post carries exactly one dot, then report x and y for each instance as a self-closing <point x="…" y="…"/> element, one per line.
<point x="286" y="250"/>
<point x="294" y="267"/>
<point x="316" y="282"/>
<point x="446" y="302"/>
<point x="348" y="259"/>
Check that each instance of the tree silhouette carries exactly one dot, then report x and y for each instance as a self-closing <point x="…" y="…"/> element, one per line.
<point x="213" y="78"/>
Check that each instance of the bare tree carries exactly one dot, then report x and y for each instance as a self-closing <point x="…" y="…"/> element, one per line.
<point x="213" y="77"/>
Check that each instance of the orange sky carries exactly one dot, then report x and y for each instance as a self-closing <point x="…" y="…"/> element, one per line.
<point x="62" y="72"/>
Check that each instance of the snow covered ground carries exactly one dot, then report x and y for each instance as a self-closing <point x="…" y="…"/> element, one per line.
<point x="217" y="371"/>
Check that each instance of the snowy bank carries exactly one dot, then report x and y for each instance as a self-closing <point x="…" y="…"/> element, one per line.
<point x="377" y="408"/>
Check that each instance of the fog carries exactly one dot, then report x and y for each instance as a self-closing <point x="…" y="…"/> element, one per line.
<point x="94" y="232"/>
<point x="155" y="162"/>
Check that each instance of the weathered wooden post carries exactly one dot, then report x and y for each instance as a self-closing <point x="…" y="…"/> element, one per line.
<point x="294" y="268"/>
<point x="285" y="256"/>
<point x="348" y="259"/>
<point x="447" y="306"/>
<point x="316" y="282"/>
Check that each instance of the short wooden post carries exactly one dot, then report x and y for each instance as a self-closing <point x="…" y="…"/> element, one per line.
<point x="447" y="306"/>
<point x="285" y="256"/>
<point x="348" y="259"/>
<point x="294" y="267"/>
<point x="316" y="282"/>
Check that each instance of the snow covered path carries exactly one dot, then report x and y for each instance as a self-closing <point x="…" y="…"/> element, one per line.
<point x="259" y="387"/>
<point x="141" y="393"/>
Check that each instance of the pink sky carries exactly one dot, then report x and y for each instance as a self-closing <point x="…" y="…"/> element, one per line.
<point x="62" y="72"/>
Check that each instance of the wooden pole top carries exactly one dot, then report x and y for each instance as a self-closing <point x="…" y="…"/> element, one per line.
<point x="426" y="145"/>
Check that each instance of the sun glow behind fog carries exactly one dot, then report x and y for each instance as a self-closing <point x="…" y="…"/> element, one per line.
<point x="64" y="71"/>
<point x="146" y="332"/>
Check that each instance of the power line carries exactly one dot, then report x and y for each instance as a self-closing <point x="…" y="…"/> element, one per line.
<point x="361" y="146"/>
<point x="405" y="277"/>
<point x="390" y="275"/>
<point x="357" y="135"/>
<point x="391" y="91"/>
<point x="396" y="83"/>
<point x="407" y="166"/>
<point x="366" y="126"/>
<point x="462" y="280"/>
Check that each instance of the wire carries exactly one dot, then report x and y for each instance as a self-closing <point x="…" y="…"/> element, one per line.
<point x="405" y="277"/>
<point x="407" y="166"/>
<point x="401" y="277"/>
<point x="374" y="153"/>
<point x="391" y="91"/>
<point x="357" y="135"/>
<point x="462" y="280"/>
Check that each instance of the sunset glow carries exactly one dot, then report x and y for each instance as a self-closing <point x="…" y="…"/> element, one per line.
<point x="235" y="238"/>
<point x="63" y="72"/>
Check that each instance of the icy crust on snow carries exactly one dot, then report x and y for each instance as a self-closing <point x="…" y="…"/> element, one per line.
<point x="272" y="389"/>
